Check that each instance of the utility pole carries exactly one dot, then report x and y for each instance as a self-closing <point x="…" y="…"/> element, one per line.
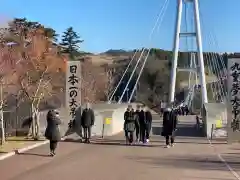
<point x="197" y="35"/>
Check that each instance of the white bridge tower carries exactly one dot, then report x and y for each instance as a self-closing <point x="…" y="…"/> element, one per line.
<point x="197" y="34"/>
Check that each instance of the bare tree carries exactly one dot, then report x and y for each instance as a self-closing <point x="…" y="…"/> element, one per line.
<point x="34" y="92"/>
<point x="93" y="82"/>
<point x="109" y="71"/>
<point x="29" y="63"/>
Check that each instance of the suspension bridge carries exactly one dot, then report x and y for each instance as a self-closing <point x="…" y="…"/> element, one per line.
<point x="193" y="157"/>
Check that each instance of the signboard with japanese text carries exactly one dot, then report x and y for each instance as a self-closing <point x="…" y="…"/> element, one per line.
<point x="233" y="100"/>
<point x="73" y="93"/>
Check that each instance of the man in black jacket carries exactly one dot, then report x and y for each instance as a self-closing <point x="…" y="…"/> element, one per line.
<point x="87" y="121"/>
<point x="145" y="121"/>
<point x="148" y="122"/>
<point x="137" y="125"/>
<point x="169" y="126"/>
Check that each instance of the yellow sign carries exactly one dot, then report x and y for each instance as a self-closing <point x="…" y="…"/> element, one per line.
<point x="219" y="123"/>
<point x="108" y="120"/>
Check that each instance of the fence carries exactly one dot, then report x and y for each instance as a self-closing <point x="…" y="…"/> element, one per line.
<point x="17" y="119"/>
<point x="17" y="115"/>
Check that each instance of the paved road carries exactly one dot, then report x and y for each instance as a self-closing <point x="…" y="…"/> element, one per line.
<point x="109" y="159"/>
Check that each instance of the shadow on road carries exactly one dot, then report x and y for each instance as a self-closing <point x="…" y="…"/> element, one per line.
<point x="33" y="154"/>
<point x="197" y="162"/>
<point x="3" y="152"/>
<point x="184" y="130"/>
<point x="111" y="142"/>
<point x="123" y="144"/>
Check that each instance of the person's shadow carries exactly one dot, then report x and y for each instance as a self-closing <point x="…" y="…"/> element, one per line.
<point x="33" y="154"/>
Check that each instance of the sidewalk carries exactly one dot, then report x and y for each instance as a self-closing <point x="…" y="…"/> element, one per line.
<point x="229" y="154"/>
<point x="15" y="144"/>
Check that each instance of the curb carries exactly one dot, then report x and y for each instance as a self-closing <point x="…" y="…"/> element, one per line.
<point x="22" y="150"/>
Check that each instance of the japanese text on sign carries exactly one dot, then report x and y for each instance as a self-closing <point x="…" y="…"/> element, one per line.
<point x="72" y="87"/>
<point x="234" y="93"/>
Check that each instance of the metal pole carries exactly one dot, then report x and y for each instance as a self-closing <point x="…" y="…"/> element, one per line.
<point x="3" y="138"/>
<point x="200" y="52"/>
<point x="175" y="50"/>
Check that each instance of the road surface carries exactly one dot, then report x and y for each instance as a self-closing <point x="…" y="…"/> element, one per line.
<point x="191" y="159"/>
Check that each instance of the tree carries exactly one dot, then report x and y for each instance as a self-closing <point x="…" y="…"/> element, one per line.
<point x="70" y="42"/>
<point x="51" y="34"/>
<point x="109" y="71"/>
<point x="18" y="26"/>
<point x="34" y="89"/>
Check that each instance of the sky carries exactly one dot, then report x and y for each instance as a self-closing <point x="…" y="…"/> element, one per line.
<point x="127" y="24"/>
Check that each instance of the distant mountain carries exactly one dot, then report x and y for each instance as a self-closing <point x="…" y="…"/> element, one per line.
<point x="116" y="52"/>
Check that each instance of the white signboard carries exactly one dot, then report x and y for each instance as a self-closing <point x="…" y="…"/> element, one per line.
<point x="73" y="93"/>
<point x="233" y="99"/>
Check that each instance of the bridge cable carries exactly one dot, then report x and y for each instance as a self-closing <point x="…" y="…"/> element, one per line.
<point x="220" y="91"/>
<point x="150" y="37"/>
<point x="217" y="73"/>
<point x="219" y="77"/>
<point x="146" y="58"/>
<point x="191" y="89"/>
<point x="193" y="56"/>
<point x="214" y="65"/>
<point x="217" y="64"/>
<point x="210" y="65"/>
<point x="222" y="71"/>
<point x="212" y="86"/>
<point x="120" y="81"/>
<point x="192" y="75"/>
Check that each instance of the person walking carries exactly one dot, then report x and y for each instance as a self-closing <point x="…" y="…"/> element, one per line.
<point x="169" y="126"/>
<point x="129" y="124"/>
<point x="52" y="132"/>
<point x="87" y="121"/>
<point x="148" y="123"/>
<point x="142" y="125"/>
<point x="145" y="121"/>
<point x="137" y="124"/>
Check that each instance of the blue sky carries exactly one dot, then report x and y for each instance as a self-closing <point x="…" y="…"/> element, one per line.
<point x="126" y="24"/>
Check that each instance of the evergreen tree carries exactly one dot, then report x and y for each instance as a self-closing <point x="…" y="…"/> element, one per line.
<point x="70" y="42"/>
<point x="51" y="34"/>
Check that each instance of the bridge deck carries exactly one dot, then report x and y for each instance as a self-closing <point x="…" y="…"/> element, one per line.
<point x="191" y="159"/>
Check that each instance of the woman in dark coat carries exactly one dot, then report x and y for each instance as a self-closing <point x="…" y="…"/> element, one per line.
<point x="130" y="118"/>
<point x="52" y="132"/>
<point x="169" y="126"/>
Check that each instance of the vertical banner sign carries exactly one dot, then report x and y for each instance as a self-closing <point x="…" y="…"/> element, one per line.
<point x="233" y="99"/>
<point x="73" y="93"/>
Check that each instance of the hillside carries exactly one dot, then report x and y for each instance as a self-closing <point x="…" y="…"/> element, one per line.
<point x="32" y="68"/>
